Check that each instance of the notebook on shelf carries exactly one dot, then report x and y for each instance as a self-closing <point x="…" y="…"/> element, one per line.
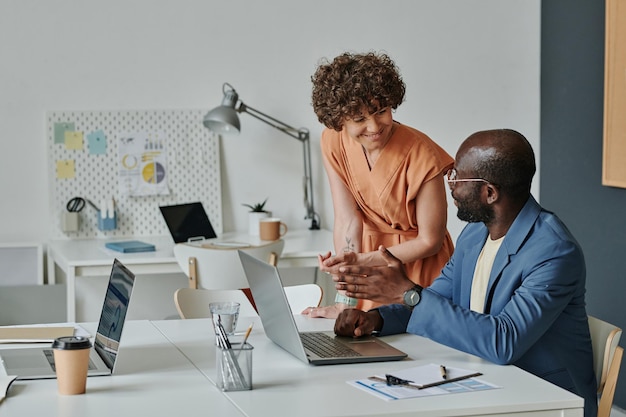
<point x="38" y="363"/>
<point x="280" y="326"/>
<point x="130" y="246"/>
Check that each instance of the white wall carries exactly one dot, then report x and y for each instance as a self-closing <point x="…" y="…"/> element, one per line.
<point x="468" y="65"/>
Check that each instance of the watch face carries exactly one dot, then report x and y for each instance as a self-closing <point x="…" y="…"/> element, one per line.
<point x="411" y="297"/>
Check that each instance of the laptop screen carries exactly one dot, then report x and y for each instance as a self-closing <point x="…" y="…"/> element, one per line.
<point x="186" y="221"/>
<point x="120" y="287"/>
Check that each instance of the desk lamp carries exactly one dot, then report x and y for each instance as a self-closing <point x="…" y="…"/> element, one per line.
<point x="223" y="119"/>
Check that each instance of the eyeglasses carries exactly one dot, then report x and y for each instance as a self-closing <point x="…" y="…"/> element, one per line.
<point x="452" y="179"/>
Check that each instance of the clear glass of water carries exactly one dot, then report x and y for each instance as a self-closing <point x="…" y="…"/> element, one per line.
<point x="225" y="313"/>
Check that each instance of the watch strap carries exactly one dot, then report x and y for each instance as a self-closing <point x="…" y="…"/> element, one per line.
<point x="344" y="299"/>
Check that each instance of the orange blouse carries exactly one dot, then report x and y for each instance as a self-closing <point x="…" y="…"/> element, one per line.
<point x="387" y="194"/>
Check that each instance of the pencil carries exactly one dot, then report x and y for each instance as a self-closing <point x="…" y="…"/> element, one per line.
<point x="245" y="338"/>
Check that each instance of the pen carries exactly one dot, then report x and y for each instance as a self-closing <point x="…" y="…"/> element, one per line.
<point x="444" y="372"/>
<point x="245" y="338"/>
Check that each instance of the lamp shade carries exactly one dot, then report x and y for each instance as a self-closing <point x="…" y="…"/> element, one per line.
<point x="222" y="119"/>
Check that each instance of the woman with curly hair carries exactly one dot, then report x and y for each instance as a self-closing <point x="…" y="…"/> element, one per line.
<point x="386" y="179"/>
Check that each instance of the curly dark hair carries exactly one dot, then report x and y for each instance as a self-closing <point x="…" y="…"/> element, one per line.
<point x="351" y="82"/>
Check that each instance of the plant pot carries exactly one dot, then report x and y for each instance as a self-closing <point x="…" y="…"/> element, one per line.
<point x="253" y="221"/>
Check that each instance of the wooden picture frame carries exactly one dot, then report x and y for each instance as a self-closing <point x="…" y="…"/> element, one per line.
<point x="614" y="151"/>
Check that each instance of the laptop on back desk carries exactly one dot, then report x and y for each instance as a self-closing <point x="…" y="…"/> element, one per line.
<point x="322" y="348"/>
<point x="38" y="362"/>
<point x="187" y="222"/>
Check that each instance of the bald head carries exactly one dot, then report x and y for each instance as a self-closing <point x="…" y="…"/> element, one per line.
<point x="501" y="156"/>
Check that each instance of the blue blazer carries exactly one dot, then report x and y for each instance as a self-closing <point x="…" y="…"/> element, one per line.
<point x="535" y="315"/>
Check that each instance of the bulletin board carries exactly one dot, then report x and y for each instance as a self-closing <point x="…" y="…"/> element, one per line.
<point x="614" y="152"/>
<point x="85" y="161"/>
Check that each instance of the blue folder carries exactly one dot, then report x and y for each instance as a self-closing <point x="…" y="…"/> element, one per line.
<point x="129" y="246"/>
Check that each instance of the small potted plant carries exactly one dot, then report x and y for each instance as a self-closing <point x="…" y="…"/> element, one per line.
<point x="257" y="212"/>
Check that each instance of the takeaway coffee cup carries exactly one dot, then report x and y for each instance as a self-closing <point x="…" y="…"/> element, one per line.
<point x="271" y="228"/>
<point x="71" y="360"/>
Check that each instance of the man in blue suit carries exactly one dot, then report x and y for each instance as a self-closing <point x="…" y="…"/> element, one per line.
<point x="513" y="291"/>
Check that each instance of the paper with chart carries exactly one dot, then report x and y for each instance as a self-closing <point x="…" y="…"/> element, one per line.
<point x="143" y="164"/>
<point x="458" y="380"/>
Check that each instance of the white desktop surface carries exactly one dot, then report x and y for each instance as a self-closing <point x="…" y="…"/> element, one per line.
<point x="154" y="379"/>
<point x="88" y="257"/>
<point x="282" y="385"/>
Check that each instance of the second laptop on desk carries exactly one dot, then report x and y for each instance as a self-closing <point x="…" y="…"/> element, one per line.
<point x="38" y="363"/>
<point x="280" y="326"/>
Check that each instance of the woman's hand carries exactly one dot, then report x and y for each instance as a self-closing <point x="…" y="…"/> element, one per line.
<point x="328" y="312"/>
<point x="331" y="263"/>
<point x="384" y="284"/>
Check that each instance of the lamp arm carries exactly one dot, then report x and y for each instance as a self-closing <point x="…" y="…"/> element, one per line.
<point x="303" y="136"/>
<point x="275" y="123"/>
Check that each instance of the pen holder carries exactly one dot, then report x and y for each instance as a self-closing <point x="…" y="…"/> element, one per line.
<point x="70" y="221"/>
<point x="107" y="223"/>
<point x="234" y="367"/>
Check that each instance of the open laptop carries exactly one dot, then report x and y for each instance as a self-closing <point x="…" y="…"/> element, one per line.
<point x="311" y="347"/>
<point x="38" y="363"/>
<point x="187" y="222"/>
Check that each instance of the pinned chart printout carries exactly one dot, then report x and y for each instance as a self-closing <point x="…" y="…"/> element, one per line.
<point x="143" y="164"/>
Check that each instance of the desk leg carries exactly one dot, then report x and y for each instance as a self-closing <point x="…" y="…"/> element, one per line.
<point x="71" y="294"/>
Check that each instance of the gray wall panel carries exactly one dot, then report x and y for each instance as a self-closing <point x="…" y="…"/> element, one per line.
<point x="572" y="94"/>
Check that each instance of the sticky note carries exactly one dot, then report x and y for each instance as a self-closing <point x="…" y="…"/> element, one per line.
<point x="65" y="169"/>
<point x="73" y="140"/>
<point x="97" y="143"/>
<point x="59" y="131"/>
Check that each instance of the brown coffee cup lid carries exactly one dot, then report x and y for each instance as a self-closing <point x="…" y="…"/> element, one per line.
<point x="71" y="343"/>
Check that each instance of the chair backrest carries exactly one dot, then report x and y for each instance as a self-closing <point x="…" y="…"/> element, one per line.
<point x="194" y="304"/>
<point x="607" y="358"/>
<point x="220" y="268"/>
<point x="303" y="296"/>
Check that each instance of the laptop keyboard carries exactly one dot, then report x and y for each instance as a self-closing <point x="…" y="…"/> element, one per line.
<point x="326" y="346"/>
<point x="49" y="354"/>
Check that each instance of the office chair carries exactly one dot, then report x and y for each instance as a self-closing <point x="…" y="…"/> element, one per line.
<point x="303" y="296"/>
<point x="217" y="268"/>
<point x="194" y="303"/>
<point x="607" y="359"/>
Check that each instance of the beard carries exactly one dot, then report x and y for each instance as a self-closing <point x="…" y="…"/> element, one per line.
<point x="471" y="210"/>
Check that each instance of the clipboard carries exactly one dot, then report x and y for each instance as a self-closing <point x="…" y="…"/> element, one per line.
<point x="431" y="384"/>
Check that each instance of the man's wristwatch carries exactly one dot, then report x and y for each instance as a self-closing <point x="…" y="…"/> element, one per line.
<point x="412" y="297"/>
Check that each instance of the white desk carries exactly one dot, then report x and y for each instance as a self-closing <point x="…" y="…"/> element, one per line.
<point x="88" y="257"/>
<point x="154" y="379"/>
<point x="282" y="385"/>
<point x="167" y="367"/>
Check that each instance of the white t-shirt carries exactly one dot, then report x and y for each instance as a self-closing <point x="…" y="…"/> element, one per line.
<point x="482" y="272"/>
